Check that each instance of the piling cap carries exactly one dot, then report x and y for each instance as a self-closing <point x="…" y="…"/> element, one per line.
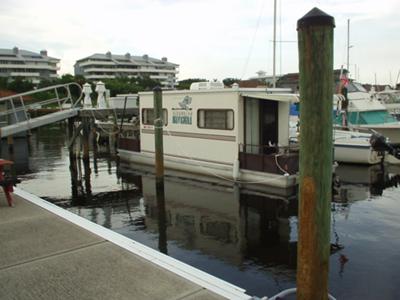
<point x="157" y="89"/>
<point x="315" y="17"/>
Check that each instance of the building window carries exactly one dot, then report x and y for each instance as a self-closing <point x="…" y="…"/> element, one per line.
<point x="148" y="116"/>
<point x="215" y="119"/>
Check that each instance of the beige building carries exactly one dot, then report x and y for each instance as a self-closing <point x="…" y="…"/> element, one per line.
<point x="30" y="65"/>
<point x="109" y="66"/>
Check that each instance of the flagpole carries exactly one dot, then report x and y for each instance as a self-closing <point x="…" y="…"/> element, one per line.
<point x="348" y="45"/>
<point x="274" y="50"/>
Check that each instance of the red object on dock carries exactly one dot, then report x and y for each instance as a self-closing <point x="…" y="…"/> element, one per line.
<point x="8" y="188"/>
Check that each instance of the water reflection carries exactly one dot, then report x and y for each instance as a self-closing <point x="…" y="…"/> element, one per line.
<point x="358" y="182"/>
<point x="220" y="221"/>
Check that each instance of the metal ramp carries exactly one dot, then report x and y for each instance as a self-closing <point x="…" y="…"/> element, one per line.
<point x="16" y="110"/>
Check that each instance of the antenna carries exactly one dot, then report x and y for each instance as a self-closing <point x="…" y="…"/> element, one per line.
<point x="274" y="50"/>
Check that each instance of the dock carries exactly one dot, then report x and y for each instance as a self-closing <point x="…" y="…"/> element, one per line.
<point x="47" y="252"/>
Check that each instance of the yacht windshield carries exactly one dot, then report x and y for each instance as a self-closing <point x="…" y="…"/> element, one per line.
<point x="355" y="87"/>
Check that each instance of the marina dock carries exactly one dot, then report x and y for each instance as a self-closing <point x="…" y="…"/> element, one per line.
<point x="49" y="253"/>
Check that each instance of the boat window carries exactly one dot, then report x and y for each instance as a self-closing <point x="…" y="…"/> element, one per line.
<point x="369" y="117"/>
<point x="215" y="119"/>
<point x="148" y="116"/>
<point x="355" y="87"/>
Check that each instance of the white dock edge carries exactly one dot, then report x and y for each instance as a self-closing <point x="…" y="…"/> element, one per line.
<point x="214" y="284"/>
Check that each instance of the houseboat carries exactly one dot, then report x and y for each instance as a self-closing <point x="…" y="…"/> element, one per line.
<point x="233" y="135"/>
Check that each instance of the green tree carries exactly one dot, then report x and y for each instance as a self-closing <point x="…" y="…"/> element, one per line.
<point x="3" y="83"/>
<point x="229" y="81"/>
<point x="67" y="78"/>
<point x="145" y="83"/>
<point x="20" y="85"/>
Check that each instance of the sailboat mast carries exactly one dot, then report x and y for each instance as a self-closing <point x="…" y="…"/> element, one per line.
<point x="274" y="50"/>
<point x="348" y="45"/>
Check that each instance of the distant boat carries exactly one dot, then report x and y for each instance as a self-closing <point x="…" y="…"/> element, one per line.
<point x="350" y="146"/>
<point x="391" y="100"/>
<point x="365" y="112"/>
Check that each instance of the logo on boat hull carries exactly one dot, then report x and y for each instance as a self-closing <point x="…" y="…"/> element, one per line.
<point x="184" y="104"/>
<point x="183" y="113"/>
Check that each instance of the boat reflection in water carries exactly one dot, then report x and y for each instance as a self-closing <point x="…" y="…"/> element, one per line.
<point x="222" y="222"/>
<point x="360" y="182"/>
<point x="248" y="239"/>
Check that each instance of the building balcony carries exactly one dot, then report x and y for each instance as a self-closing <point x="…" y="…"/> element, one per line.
<point x="152" y="70"/>
<point x="94" y="62"/>
<point x="25" y="74"/>
<point x="94" y="76"/>
<point x="111" y="70"/>
<point x="30" y="66"/>
<point x="159" y="77"/>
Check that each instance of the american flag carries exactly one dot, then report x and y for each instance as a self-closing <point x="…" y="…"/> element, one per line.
<point x="344" y="79"/>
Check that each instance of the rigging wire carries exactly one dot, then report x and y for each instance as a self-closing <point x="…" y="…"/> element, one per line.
<point x="253" y="40"/>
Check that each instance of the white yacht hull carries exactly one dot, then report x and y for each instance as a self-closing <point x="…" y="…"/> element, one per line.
<point x="354" y="147"/>
<point x="356" y="154"/>
<point x="391" y="131"/>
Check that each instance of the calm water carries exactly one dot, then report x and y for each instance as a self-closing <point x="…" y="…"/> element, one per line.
<point x="246" y="239"/>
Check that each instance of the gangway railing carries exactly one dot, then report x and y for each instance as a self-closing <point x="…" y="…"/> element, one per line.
<point x="15" y="110"/>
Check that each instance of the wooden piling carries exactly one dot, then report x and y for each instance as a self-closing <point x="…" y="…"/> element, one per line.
<point x="158" y="134"/>
<point x="315" y="41"/>
<point x="86" y="133"/>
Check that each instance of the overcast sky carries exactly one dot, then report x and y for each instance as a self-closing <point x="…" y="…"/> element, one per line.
<point x="211" y="39"/>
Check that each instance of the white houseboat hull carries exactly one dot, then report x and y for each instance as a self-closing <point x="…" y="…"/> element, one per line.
<point x="224" y="174"/>
<point x="389" y="130"/>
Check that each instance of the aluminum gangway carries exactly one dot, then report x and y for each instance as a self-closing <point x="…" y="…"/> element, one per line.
<point x="16" y="110"/>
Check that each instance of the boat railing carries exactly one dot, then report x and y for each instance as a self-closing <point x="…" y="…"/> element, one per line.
<point x="56" y="97"/>
<point x="129" y="144"/>
<point x="269" y="158"/>
<point x="267" y="149"/>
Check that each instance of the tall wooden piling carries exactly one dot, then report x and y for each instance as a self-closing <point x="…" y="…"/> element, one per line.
<point x="86" y="134"/>
<point x="158" y="134"/>
<point x="315" y="41"/>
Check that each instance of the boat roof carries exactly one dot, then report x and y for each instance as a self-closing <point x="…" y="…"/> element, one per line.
<point x="293" y="98"/>
<point x="257" y="93"/>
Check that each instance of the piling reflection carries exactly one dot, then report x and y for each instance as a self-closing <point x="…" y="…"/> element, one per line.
<point x="161" y="217"/>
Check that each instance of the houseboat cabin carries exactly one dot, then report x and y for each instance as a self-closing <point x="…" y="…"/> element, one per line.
<point x="234" y="134"/>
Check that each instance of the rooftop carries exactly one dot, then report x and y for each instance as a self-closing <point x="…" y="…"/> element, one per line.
<point x="25" y="54"/>
<point x="127" y="58"/>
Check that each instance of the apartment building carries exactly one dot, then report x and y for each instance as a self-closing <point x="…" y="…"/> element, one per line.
<point x="30" y="65"/>
<point x="107" y="66"/>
